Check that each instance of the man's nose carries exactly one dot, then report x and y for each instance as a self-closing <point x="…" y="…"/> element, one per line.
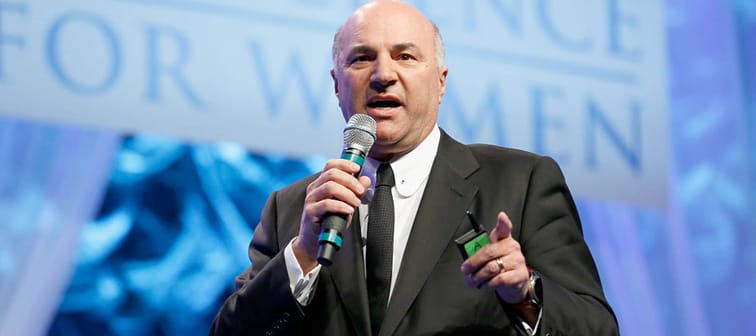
<point x="384" y="73"/>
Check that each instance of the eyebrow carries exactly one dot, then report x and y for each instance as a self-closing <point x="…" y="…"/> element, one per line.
<point x="406" y="46"/>
<point x="360" y="49"/>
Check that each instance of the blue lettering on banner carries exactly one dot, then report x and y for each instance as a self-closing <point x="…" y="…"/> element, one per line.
<point x="617" y="21"/>
<point x="314" y="95"/>
<point x="510" y="15"/>
<point x="630" y="150"/>
<point x="541" y="75"/>
<point x="489" y="114"/>
<point x="576" y="44"/>
<point x="542" y="122"/>
<point x="158" y="68"/>
<point x="14" y="40"/>
<point x="53" y="51"/>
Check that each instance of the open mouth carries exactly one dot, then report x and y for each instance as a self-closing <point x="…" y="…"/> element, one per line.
<point x="383" y="104"/>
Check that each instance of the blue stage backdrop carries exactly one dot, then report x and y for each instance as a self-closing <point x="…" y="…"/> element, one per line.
<point x="140" y="139"/>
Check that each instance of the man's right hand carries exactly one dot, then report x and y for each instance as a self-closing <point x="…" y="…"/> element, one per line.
<point x="335" y="191"/>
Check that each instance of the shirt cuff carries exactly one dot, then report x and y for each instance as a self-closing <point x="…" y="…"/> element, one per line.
<point x="302" y="285"/>
<point x="530" y="331"/>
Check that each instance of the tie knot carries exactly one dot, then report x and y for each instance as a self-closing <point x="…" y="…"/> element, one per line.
<point x="384" y="176"/>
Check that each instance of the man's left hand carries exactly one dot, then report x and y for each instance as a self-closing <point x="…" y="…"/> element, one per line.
<point x="499" y="265"/>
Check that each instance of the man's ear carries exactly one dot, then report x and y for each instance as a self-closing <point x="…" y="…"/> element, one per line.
<point x="442" y="84"/>
<point x="335" y="82"/>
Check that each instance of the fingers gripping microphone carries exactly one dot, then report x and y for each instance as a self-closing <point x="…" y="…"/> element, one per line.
<point x="359" y="136"/>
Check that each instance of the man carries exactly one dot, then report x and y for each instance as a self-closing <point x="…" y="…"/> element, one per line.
<point x="536" y="275"/>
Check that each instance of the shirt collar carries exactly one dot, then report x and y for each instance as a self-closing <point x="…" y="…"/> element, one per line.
<point x="412" y="169"/>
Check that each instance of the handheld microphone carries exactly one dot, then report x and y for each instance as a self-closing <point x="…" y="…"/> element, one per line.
<point x="359" y="136"/>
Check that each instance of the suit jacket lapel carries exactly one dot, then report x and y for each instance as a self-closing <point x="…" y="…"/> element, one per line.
<point x="348" y="274"/>
<point x="446" y="197"/>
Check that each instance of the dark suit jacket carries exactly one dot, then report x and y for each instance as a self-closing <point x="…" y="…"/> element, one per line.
<point x="430" y="296"/>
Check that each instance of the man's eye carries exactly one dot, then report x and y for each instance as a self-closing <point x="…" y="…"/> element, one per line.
<point x="357" y="59"/>
<point x="406" y="57"/>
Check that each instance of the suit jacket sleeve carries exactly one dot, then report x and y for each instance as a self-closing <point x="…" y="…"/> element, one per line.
<point x="262" y="302"/>
<point x="551" y="238"/>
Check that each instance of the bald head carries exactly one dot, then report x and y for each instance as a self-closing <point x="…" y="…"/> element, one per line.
<point x="387" y="64"/>
<point x="385" y="10"/>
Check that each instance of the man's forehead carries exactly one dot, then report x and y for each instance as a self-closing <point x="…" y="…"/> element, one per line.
<point x="368" y="32"/>
<point x="388" y="14"/>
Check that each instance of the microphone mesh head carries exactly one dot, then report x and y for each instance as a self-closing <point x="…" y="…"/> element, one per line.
<point x="360" y="132"/>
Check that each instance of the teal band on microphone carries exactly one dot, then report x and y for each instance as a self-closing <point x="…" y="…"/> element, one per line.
<point x="354" y="158"/>
<point x="331" y="237"/>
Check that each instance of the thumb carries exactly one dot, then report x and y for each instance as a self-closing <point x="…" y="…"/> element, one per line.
<point x="503" y="229"/>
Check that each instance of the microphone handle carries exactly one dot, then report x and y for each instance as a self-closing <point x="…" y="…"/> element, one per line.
<point x="330" y="237"/>
<point x="333" y="225"/>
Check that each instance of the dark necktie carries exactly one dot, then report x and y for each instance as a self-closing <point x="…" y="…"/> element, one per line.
<point x="380" y="245"/>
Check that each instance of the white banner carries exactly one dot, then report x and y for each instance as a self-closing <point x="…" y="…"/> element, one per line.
<point x="582" y="81"/>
